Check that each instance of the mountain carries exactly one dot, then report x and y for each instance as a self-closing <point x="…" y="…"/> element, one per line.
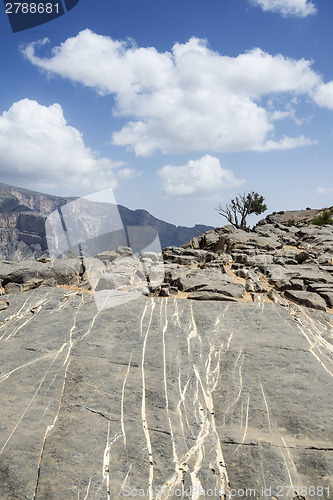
<point x="22" y="222"/>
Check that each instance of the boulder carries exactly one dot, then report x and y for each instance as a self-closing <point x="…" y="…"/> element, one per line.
<point x="297" y="284"/>
<point x="107" y="257"/>
<point x="308" y="299"/>
<point x="124" y="251"/>
<point x="200" y="278"/>
<point x="250" y="285"/>
<point x="230" y="289"/>
<point x="63" y="271"/>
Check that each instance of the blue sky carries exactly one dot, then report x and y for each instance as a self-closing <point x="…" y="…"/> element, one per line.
<point x="176" y="105"/>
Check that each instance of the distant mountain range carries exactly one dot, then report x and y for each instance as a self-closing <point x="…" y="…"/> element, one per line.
<point x="22" y="222"/>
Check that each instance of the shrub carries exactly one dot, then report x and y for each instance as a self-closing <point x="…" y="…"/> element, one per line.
<point x="281" y="212"/>
<point x="308" y="208"/>
<point x="324" y="218"/>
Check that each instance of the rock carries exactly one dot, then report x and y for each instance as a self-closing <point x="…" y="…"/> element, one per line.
<point x="44" y="260"/>
<point x="259" y="260"/>
<point x="207" y="295"/>
<point x="302" y="257"/>
<point x="229" y="289"/>
<point x="240" y="258"/>
<point x="224" y="258"/>
<point x="275" y="297"/>
<point x="31" y="274"/>
<point x="112" y="281"/>
<point x="247" y="274"/>
<point x="13" y="288"/>
<point x="107" y="257"/>
<point x="124" y="272"/>
<point x="187" y="256"/>
<point x="124" y="251"/>
<point x="250" y="286"/>
<point x="281" y="284"/>
<point x="328" y="297"/>
<point x="308" y="273"/>
<point x="85" y="393"/>
<point x="154" y="288"/>
<point x="152" y="256"/>
<point x="167" y="292"/>
<point x="196" y="279"/>
<point x="297" y="284"/>
<point x="325" y="259"/>
<point x="260" y="287"/>
<point x="308" y="299"/>
<point x="183" y="260"/>
<point x="4" y="303"/>
<point x="201" y="255"/>
<point x="93" y="270"/>
<point x="64" y="271"/>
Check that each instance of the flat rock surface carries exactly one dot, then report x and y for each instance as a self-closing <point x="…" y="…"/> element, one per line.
<point x="163" y="393"/>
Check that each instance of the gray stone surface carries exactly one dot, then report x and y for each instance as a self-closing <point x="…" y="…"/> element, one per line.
<point x="211" y="295"/>
<point x="309" y="299"/>
<point x="162" y="392"/>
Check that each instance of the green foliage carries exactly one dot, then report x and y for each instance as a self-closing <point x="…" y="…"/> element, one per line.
<point x="324" y="218"/>
<point x="308" y="208"/>
<point x="281" y="212"/>
<point x="240" y="207"/>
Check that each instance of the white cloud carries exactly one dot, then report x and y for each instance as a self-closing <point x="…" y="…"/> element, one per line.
<point x="39" y="148"/>
<point x="197" y="177"/>
<point x="188" y="99"/>
<point x="128" y="173"/>
<point x="323" y="190"/>
<point x="323" y="95"/>
<point x="298" y="8"/>
<point x="288" y="143"/>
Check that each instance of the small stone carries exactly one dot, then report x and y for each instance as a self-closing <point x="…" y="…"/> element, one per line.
<point x="4" y="303"/>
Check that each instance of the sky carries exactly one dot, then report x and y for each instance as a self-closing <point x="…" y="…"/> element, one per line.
<point x="176" y="105"/>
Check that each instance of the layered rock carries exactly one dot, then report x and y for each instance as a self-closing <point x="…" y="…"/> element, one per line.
<point x="163" y="398"/>
<point x="22" y="222"/>
<point x="223" y="264"/>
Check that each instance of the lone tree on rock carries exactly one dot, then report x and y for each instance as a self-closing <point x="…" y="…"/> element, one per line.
<point x="242" y="206"/>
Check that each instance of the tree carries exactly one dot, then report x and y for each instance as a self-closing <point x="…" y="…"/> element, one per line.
<point x="242" y="206"/>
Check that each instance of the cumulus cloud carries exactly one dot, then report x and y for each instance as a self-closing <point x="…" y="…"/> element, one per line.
<point x="188" y="99"/>
<point x="298" y="8"/>
<point x="323" y="95"/>
<point x="39" y="147"/>
<point x="201" y="176"/>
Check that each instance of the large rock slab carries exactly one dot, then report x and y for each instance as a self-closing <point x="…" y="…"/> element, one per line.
<point x="308" y="299"/>
<point x="162" y="394"/>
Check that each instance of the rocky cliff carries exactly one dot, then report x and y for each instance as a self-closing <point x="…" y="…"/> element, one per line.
<point x="22" y="223"/>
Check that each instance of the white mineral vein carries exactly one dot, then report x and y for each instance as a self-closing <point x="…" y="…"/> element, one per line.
<point x="122" y="401"/>
<point x="143" y="405"/>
